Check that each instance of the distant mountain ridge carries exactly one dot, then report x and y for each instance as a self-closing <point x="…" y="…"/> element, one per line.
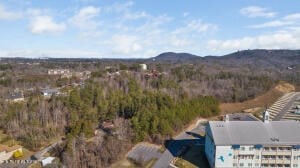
<point x="244" y="56"/>
<point x="172" y="56"/>
<point x="255" y="56"/>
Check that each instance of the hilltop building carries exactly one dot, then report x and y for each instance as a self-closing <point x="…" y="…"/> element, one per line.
<point x="253" y="143"/>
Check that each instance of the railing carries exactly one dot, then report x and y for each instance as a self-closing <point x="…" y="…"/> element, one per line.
<point x="275" y="161"/>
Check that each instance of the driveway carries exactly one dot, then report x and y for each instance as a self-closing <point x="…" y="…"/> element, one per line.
<point x="179" y="144"/>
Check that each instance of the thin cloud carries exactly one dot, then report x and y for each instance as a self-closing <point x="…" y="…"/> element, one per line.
<point x="276" y="23"/>
<point x="256" y="11"/>
<point x="6" y="14"/>
<point x="85" y="18"/>
<point x="294" y="16"/>
<point x="46" y="24"/>
<point x="274" y="40"/>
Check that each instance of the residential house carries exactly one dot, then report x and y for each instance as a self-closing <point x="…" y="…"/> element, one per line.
<point x="82" y="75"/>
<point x="49" y="92"/>
<point x="58" y="71"/>
<point x="15" y="97"/>
<point x="7" y="152"/>
<point x="47" y="160"/>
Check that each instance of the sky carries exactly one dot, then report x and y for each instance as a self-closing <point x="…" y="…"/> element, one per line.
<point x="142" y="28"/>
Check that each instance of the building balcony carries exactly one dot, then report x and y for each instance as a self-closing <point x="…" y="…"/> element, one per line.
<point x="283" y="161"/>
<point x="268" y="161"/>
<point x="246" y="152"/>
<point x="275" y="161"/>
<point x="284" y="152"/>
<point x="269" y="152"/>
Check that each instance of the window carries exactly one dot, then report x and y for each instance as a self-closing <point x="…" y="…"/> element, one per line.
<point x="295" y="165"/>
<point x="241" y="164"/>
<point x="242" y="148"/>
<point x="256" y="164"/>
<point x="234" y="165"/>
<point x="295" y="157"/>
<point x="249" y="164"/>
<point x="257" y="157"/>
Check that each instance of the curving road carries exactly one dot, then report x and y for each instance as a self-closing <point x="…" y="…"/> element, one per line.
<point x="178" y="144"/>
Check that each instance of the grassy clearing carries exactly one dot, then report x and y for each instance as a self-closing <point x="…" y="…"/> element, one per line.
<point x="184" y="164"/>
<point x="125" y="163"/>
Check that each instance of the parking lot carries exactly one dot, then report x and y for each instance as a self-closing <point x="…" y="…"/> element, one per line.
<point x="144" y="152"/>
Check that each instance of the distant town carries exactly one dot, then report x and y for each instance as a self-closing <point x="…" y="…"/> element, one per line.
<point x="167" y="111"/>
<point x="149" y="84"/>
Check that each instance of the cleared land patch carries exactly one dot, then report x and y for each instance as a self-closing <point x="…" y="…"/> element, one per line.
<point x="259" y="102"/>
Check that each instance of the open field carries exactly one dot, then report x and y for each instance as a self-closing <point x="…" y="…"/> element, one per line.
<point x="259" y="102"/>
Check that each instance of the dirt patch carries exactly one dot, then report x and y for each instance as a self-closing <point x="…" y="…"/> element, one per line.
<point x="261" y="101"/>
<point x="285" y="87"/>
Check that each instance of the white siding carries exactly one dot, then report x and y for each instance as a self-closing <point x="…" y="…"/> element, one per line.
<point x="224" y="157"/>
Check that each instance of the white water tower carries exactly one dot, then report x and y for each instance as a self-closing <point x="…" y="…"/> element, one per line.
<point x="143" y="67"/>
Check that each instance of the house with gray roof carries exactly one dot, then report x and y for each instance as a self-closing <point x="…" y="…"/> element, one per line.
<point x="253" y="143"/>
<point x="15" y="97"/>
<point x="49" y="92"/>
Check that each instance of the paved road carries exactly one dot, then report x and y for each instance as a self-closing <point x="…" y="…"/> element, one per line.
<point x="144" y="153"/>
<point x="177" y="145"/>
<point x="38" y="155"/>
<point x="286" y="108"/>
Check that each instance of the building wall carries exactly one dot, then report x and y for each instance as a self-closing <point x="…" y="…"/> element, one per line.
<point x="209" y="148"/>
<point x="295" y="158"/>
<point x="224" y="157"/>
<point x="251" y="157"/>
<point x="246" y="156"/>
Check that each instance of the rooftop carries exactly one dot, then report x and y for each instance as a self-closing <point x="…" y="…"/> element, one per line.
<point x="54" y="90"/>
<point x="15" y="95"/>
<point x="242" y="117"/>
<point x="255" y="132"/>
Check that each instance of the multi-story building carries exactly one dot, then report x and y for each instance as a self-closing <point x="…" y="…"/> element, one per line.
<point x="253" y="143"/>
<point x="58" y="72"/>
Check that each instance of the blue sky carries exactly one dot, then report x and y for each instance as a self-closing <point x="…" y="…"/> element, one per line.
<point x="110" y="29"/>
